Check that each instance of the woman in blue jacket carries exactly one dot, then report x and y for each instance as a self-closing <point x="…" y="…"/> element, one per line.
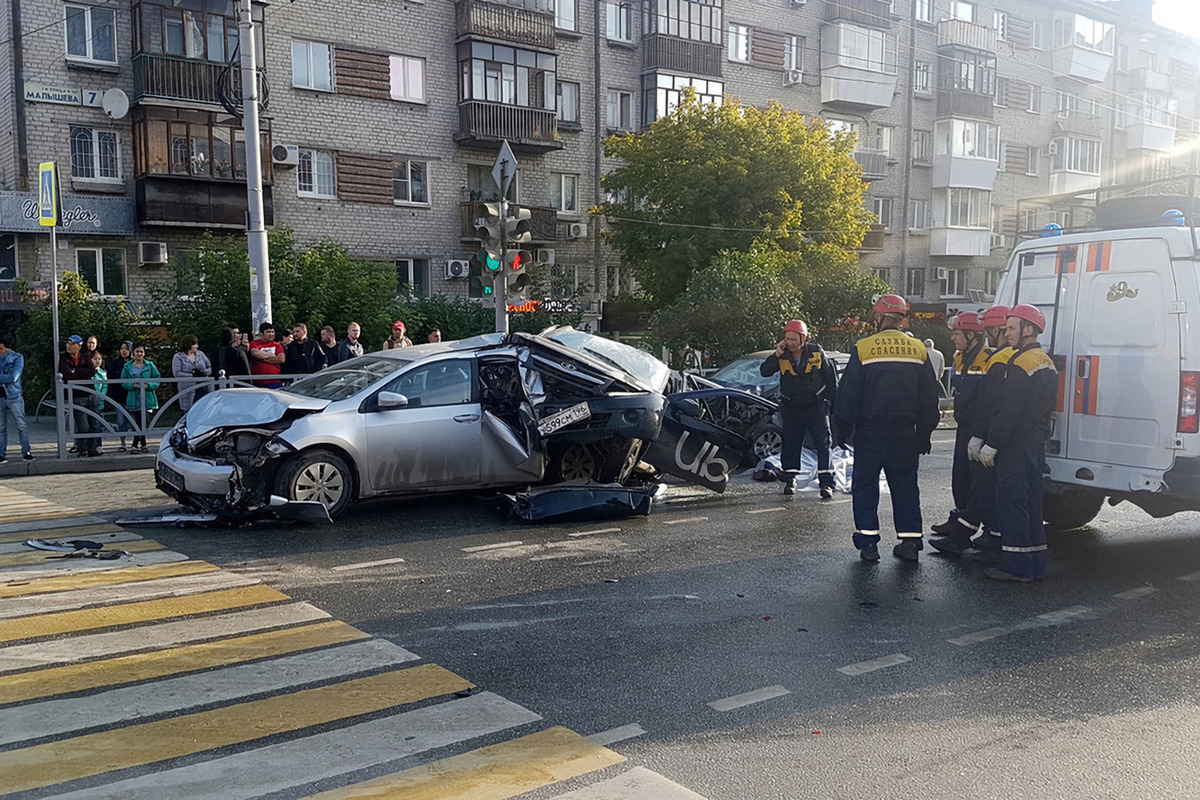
<point x="140" y="378"/>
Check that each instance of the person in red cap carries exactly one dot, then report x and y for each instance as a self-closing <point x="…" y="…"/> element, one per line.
<point x="807" y="386"/>
<point x="397" y="339"/>
<point x="889" y="401"/>
<point x="1016" y="448"/>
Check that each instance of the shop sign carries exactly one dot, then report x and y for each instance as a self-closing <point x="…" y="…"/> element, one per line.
<point x="96" y="216"/>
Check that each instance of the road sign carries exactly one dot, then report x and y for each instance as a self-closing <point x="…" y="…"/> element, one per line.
<point x="49" y="207"/>
<point x="505" y="168"/>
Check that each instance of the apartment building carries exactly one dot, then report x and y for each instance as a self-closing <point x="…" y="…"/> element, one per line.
<point x="975" y="121"/>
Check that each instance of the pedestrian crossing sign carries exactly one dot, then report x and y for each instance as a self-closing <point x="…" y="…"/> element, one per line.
<point x="49" y="206"/>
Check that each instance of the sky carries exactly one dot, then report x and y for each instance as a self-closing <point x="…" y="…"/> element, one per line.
<point x="1180" y="15"/>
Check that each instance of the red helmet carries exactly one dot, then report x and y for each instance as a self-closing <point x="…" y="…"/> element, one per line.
<point x="891" y="304"/>
<point x="994" y="317"/>
<point x="1029" y="314"/>
<point x="796" y="326"/>
<point x="967" y="321"/>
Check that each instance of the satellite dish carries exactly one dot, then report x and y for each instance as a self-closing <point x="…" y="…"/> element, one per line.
<point x="115" y="103"/>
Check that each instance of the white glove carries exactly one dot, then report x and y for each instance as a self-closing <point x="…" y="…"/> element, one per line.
<point x="987" y="456"/>
<point x="973" y="448"/>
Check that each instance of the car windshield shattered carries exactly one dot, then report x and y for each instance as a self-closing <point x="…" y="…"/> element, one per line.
<point x="641" y="365"/>
<point x="346" y="381"/>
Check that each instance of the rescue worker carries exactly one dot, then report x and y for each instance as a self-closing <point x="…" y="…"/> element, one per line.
<point x="970" y="359"/>
<point x="1016" y="448"/>
<point x="807" y="385"/>
<point x="889" y="400"/>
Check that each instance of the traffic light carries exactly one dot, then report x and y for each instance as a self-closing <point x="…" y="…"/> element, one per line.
<point x="517" y="227"/>
<point x="517" y="277"/>
<point x="485" y="266"/>
<point x="489" y="230"/>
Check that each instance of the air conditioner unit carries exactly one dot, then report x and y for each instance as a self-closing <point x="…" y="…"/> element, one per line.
<point x="797" y="3"/>
<point x="152" y="253"/>
<point x="791" y="77"/>
<point x="941" y="273"/>
<point x="999" y="241"/>
<point x="285" y="155"/>
<point x="544" y="255"/>
<point x="457" y="268"/>
<point x="1052" y="148"/>
<point x="577" y="230"/>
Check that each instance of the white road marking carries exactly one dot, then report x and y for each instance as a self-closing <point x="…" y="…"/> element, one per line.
<point x="979" y="636"/>
<point x="175" y="695"/>
<point x="99" y="538"/>
<point x="863" y="667"/>
<point x="748" y="698"/>
<point x="1189" y="578"/>
<point x="366" y="564"/>
<point x="479" y="548"/>
<point x="1063" y="614"/>
<point x="685" y="519"/>
<point x="1132" y="594"/>
<point x="1059" y="617"/>
<point x="614" y="735"/>
<point x="73" y="566"/>
<point x="593" y="533"/>
<point x="154" y="637"/>
<point x="638" y="783"/>
<point x="283" y="766"/>
<point x="46" y="525"/>
<point x="177" y="586"/>
<point x="767" y="510"/>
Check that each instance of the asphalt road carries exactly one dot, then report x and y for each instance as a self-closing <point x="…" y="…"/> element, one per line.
<point x="736" y="645"/>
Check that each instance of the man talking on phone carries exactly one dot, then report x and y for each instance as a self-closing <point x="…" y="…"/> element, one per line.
<point x="807" y="385"/>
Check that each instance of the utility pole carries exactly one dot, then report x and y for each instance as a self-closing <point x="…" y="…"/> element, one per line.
<point x="256" y="230"/>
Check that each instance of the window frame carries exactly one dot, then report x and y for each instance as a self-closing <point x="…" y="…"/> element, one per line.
<point x="923" y="10"/>
<point x="737" y="38"/>
<point x="914" y="288"/>
<point x="922" y="147"/>
<point x="923" y="77"/>
<point x="308" y="50"/>
<point x="957" y="5"/>
<point x="1000" y="25"/>
<point x="959" y="279"/>
<point x="89" y="57"/>
<point x="618" y="19"/>
<point x="5" y="248"/>
<point x="560" y="15"/>
<point x="98" y="252"/>
<point x="408" y="167"/>
<point x="920" y="211"/>
<point x="312" y="153"/>
<point x="793" y="52"/>
<point x="95" y="155"/>
<point x="413" y="264"/>
<point x="559" y="194"/>
<point x="624" y="109"/>
<point x="561" y="107"/>
<point x="878" y="206"/>
<point x="401" y="65"/>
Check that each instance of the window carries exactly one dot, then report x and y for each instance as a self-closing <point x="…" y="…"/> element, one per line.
<point x="953" y="282"/>
<point x="8" y="257"/>
<point x="860" y="48"/>
<point x="410" y="182"/>
<point x="739" y="43"/>
<point x="914" y="282"/>
<point x="618" y="22"/>
<point x="918" y="215"/>
<point x="102" y="269"/>
<point x="991" y="281"/>
<point x="922" y="146"/>
<point x="564" y="282"/>
<point x="1075" y="30"/>
<point x="1000" y="24"/>
<point x="312" y="66"/>
<point x="883" y="273"/>
<point x="1065" y="102"/>
<point x="878" y="141"/>
<point x="194" y="29"/>
<point x="619" y="280"/>
<point x="1122" y="58"/>
<point x="91" y="34"/>
<point x="408" y="79"/>
<point x="315" y="174"/>
<point x="661" y="93"/>
<point x="882" y="207"/>
<point x="1002" y="90"/>
<point x="564" y="192"/>
<point x="966" y="139"/>
<point x="1034" y="157"/>
<point x="509" y="75"/>
<point x="922" y="77"/>
<point x="209" y="150"/>
<point x="443" y="383"/>
<point x="697" y="20"/>
<point x="1076" y="155"/>
<point x="482" y="188"/>
<point x="960" y="9"/>
<point x="967" y="71"/>
<point x="793" y="53"/>
<point x="568" y="103"/>
<point x="962" y="208"/>
<point x="1035" y="35"/>
<point x="1035" y="99"/>
<point x="618" y="110"/>
<point x="95" y="155"/>
<point x="564" y="14"/>
<point x="924" y="10"/>
<point x="412" y="276"/>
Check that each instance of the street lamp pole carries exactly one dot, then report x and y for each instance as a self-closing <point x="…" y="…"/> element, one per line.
<point x="256" y="230"/>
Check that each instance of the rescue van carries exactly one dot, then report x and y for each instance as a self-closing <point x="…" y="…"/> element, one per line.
<point x="1118" y="303"/>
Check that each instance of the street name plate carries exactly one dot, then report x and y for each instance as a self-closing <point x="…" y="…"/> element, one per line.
<point x="562" y="419"/>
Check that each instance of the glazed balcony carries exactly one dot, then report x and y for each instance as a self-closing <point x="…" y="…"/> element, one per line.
<point x="672" y="54"/>
<point x="529" y="23"/>
<point x="959" y="103"/>
<point x="872" y="13"/>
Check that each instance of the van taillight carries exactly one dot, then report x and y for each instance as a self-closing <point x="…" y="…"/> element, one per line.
<point x="1189" y="402"/>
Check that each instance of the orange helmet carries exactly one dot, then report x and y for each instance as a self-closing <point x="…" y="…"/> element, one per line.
<point x="994" y="317"/>
<point x="891" y="304"/>
<point x="1029" y="314"/>
<point x="796" y="326"/>
<point x="967" y="321"/>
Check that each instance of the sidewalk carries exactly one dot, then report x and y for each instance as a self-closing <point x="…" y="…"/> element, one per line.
<point x="43" y="438"/>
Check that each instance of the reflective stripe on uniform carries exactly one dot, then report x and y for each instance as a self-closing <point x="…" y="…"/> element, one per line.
<point x="909" y="535"/>
<point x="1035" y="549"/>
<point x="868" y="533"/>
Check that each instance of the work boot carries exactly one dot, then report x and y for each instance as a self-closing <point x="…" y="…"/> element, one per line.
<point x="998" y="574"/>
<point x="869" y="553"/>
<point x="948" y="527"/>
<point x="907" y="550"/>
<point x="789" y="487"/>
<point x="826" y="493"/>
<point x="951" y="545"/>
<point x="982" y="555"/>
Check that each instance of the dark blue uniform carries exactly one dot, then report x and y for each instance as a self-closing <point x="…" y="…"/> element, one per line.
<point x="889" y="399"/>
<point x="981" y="510"/>
<point x="808" y="386"/>
<point x="969" y="370"/>
<point x="1019" y="431"/>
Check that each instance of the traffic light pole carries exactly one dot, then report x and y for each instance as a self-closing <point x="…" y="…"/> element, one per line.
<point x="500" y="284"/>
<point x="256" y="230"/>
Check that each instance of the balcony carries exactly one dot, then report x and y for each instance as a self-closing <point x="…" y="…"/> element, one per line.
<point x="1080" y="123"/>
<point x="672" y="54"/>
<point x="872" y="13"/>
<point x="1067" y="182"/>
<point x="543" y="222"/>
<point x="851" y="80"/>
<point x="1081" y="63"/>
<point x="959" y="103"/>
<point x="522" y="23"/>
<point x="180" y="79"/>
<point x="873" y="239"/>
<point x="874" y="165"/>
<point x="1155" y="136"/>
<point x="533" y="130"/>
<point x="960" y="33"/>
<point x="964" y="172"/>
<point x="1144" y="79"/>
<point x="193" y="203"/>
<point x="960" y="242"/>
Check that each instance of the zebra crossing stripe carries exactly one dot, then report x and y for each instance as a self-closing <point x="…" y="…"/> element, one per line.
<point x="101" y="539"/>
<point x="498" y="771"/>
<point x="70" y="678"/>
<point x="77" y="565"/>
<point x="638" y="783"/>
<point x="71" y="532"/>
<point x="124" y="593"/>
<point x="46" y="526"/>
<point x="130" y="613"/>
<point x="43" y="558"/>
<point x="96" y="753"/>
<point x="112" y="577"/>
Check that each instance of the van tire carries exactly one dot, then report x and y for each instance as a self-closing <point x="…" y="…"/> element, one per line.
<point x="1067" y="509"/>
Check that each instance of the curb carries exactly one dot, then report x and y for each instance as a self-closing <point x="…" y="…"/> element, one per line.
<point x="52" y="465"/>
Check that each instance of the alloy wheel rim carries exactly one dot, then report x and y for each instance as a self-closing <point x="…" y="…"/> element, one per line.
<point x="768" y="443"/>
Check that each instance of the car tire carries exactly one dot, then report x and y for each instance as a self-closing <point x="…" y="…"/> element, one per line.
<point x="1067" y="509"/>
<point x="320" y="475"/>
<point x="766" y="439"/>
<point x="572" y="462"/>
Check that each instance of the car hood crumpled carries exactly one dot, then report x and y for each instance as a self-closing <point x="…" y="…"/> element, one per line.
<point x="238" y="407"/>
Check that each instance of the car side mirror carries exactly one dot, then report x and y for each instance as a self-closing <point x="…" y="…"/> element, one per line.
<point x="391" y="400"/>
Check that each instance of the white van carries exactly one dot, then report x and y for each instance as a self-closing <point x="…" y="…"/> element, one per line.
<point x="1118" y="305"/>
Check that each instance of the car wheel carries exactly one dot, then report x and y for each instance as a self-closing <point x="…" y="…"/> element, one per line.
<point x="319" y="475"/>
<point x="1068" y="509"/>
<point x="575" y="462"/>
<point x="766" y="440"/>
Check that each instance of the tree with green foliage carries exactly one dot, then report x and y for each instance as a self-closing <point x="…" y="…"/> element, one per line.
<point x="707" y="178"/>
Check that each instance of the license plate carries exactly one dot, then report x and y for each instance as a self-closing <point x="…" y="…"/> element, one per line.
<point x="563" y="418"/>
<point x="170" y="477"/>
